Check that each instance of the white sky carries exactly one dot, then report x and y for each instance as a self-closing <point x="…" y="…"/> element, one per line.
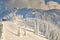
<point x="30" y="3"/>
<point x="23" y="3"/>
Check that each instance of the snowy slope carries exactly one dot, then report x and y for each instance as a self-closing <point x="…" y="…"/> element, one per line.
<point x="10" y="30"/>
<point x="48" y="21"/>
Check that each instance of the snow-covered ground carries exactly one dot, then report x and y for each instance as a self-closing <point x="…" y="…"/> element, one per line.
<point x="10" y="31"/>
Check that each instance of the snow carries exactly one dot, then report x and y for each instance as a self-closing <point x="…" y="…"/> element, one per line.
<point x="18" y="28"/>
<point x="10" y="30"/>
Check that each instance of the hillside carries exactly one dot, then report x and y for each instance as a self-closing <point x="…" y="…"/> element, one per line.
<point x="48" y="21"/>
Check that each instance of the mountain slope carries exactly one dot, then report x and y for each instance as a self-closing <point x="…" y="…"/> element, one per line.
<point x="48" y="21"/>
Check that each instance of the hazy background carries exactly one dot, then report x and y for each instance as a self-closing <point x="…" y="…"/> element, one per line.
<point x="31" y="3"/>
